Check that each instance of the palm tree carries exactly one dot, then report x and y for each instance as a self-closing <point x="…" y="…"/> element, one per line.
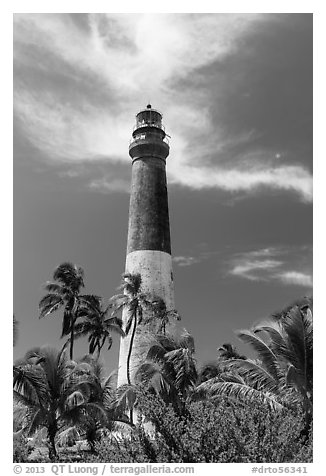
<point x="162" y="315"/>
<point x="40" y="384"/>
<point x="135" y="302"/>
<point x="58" y="394"/>
<point x="170" y="369"/>
<point x="216" y="368"/>
<point x="98" y="414"/>
<point x="96" y="324"/>
<point x="124" y="402"/>
<point x="64" y="292"/>
<point x="282" y="375"/>
<point x="290" y="338"/>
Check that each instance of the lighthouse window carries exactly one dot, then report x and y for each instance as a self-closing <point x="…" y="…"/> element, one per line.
<point x="140" y="136"/>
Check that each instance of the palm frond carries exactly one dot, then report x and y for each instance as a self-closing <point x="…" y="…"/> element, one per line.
<point x="110" y="341"/>
<point x="228" y="351"/>
<point x="25" y="399"/>
<point x="152" y="375"/>
<point x="295" y="380"/>
<point x="30" y="383"/>
<point x="82" y="329"/>
<point x="185" y="368"/>
<point x="75" y="399"/>
<point x="68" y="434"/>
<point x="109" y="386"/>
<point x="238" y="392"/>
<point x="187" y="341"/>
<point x="156" y="353"/>
<point x="70" y="275"/>
<point x="118" y="297"/>
<point x="36" y="421"/>
<point x="291" y="339"/>
<point x="266" y="355"/>
<point x="49" y="304"/>
<point x="255" y="374"/>
<point x="55" y="288"/>
<point x="114" y="324"/>
<point x="131" y="283"/>
<point x="298" y="329"/>
<point x="126" y="397"/>
<point x="90" y="303"/>
<point x="208" y="371"/>
<point x="145" y="372"/>
<point x="95" y="410"/>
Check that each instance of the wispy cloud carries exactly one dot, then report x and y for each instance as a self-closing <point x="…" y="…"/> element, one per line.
<point x="185" y="260"/>
<point x="69" y="135"/>
<point x="114" y="66"/>
<point x="110" y="184"/>
<point x="251" y="269"/>
<point x="295" y="278"/>
<point x="262" y="265"/>
<point x="136" y="51"/>
<point x="292" y="178"/>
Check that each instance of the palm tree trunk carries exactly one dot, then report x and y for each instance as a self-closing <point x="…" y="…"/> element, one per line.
<point x="52" y="430"/>
<point x="130" y="349"/>
<point x="72" y="331"/>
<point x="98" y="351"/>
<point x="129" y="358"/>
<point x="100" y="346"/>
<point x="72" y="339"/>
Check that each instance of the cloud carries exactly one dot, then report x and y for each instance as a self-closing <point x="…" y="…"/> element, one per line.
<point x="110" y="184"/>
<point x="261" y="265"/>
<point x="296" y="278"/>
<point x="292" y="178"/>
<point x="133" y="52"/>
<point x="67" y="134"/>
<point x="185" y="260"/>
<point x="251" y="269"/>
<point x="73" y="172"/>
<point x="79" y="105"/>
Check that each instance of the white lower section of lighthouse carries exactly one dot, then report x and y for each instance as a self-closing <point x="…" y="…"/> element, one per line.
<point x="155" y="268"/>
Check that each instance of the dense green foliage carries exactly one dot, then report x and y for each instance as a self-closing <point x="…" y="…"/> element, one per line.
<point x="224" y="432"/>
<point x="20" y="449"/>
<point x="234" y="409"/>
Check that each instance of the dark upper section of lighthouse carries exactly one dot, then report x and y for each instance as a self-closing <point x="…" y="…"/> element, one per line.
<point x="149" y="137"/>
<point x="149" y="227"/>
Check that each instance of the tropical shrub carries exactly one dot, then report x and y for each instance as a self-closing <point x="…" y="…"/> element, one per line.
<point x="20" y="449"/>
<point x="224" y="432"/>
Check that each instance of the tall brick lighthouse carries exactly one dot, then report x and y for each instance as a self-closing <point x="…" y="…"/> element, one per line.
<point x="149" y="244"/>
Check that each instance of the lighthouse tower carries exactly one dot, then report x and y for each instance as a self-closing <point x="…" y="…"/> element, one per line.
<point x="149" y="244"/>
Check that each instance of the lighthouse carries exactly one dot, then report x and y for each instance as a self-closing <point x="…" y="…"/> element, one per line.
<point x="149" y="242"/>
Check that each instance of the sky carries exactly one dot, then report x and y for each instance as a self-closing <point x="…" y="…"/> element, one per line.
<point x="235" y="91"/>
